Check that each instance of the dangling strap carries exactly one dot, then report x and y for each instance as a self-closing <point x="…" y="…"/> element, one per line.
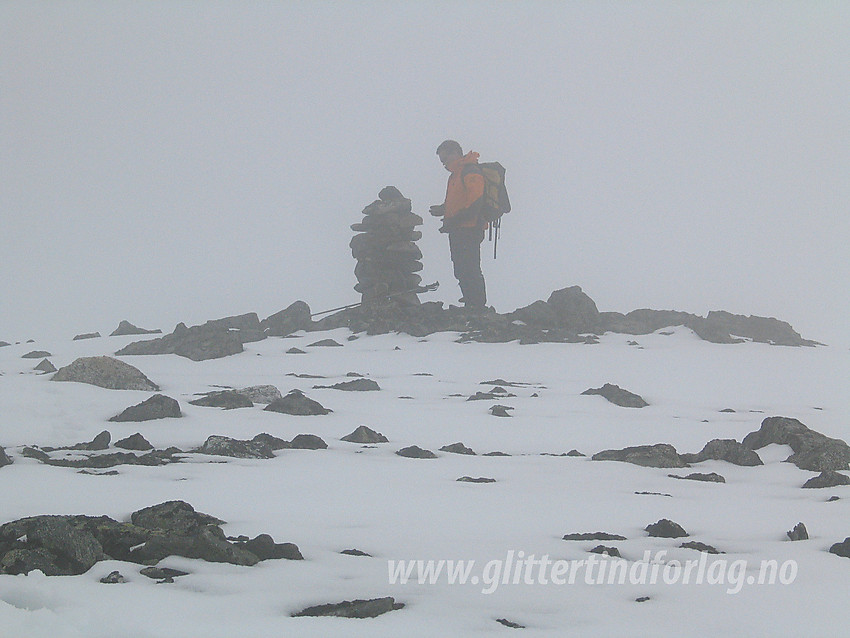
<point x="496" y="225"/>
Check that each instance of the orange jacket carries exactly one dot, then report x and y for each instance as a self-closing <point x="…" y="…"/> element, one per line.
<point x="464" y="189"/>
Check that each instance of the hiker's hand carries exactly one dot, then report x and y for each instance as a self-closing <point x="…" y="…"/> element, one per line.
<point x="437" y="211"/>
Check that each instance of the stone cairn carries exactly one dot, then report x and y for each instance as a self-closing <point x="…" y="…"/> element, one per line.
<point x="385" y="249"/>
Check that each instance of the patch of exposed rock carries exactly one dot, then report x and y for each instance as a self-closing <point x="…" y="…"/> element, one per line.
<point x="665" y="528"/>
<point x="291" y="319"/>
<point x="297" y="403"/>
<point x="798" y="533"/>
<point x="227" y="399"/>
<point x="308" y="442"/>
<point x="416" y="452"/>
<point x="36" y="354"/>
<point x="357" y="385"/>
<point x="134" y="442"/>
<point x="212" y="340"/>
<point x="66" y="545"/>
<point x="105" y="372"/>
<point x="700" y="547"/>
<point x="4" y="458"/>
<point x="217" y="445"/>
<point x="361" y="608"/>
<point x="658" y="455"/>
<point x="365" y="435"/>
<point x="728" y="450"/>
<point x="618" y="396"/>
<point x="261" y="393"/>
<point x="827" y="479"/>
<point x="45" y="367"/>
<point x="813" y="451"/>
<point x="711" y="477"/>
<point x="158" y="406"/>
<point x="87" y="335"/>
<point x="102" y="461"/>
<point x="457" y="448"/>
<point x="125" y="328"/>
<point x="841" y="549"/>
<point x="593" y="536"/>
<point x="501" y="410"/>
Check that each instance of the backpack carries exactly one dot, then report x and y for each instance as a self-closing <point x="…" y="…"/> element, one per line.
<point x="495" y="199"/>
<point x="496" y="202"/>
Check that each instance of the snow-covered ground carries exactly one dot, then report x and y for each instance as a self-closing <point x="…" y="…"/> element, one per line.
<point x="395" y="508"/>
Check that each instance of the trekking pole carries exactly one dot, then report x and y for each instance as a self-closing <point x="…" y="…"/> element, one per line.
<point x="417" y="290"/>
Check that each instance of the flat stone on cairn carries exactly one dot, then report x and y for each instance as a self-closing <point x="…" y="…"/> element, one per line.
<point x="385" y="248"/>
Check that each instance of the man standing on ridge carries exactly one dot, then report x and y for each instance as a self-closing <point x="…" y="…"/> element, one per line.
<point x="461" y="213"/>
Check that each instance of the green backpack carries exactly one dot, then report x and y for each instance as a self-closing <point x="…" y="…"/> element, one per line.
<point x="496" y="202"/>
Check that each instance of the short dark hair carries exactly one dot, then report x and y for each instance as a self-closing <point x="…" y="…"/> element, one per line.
<point x="450" y="145"/>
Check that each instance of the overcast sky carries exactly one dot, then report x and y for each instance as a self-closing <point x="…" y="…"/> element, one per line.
<point x="181" y="161"/>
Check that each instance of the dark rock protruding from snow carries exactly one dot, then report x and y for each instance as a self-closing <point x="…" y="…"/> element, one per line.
<point x="325" y="343"/>
<point x="574" y="310"/>
<point x="291" y="319"/>
<point x="294" y="350"/>
<point x="261" y="393"/>
<point x="87" y="335"/>
<point x="176" y="517"/>
<point x="45" y="366"/>
<point x="665" y="528"/>
<point x="594" y="536"/>
<point x="113" y="578"/>
<point x="712" y="477"/>
<point x="501" y="410"/>
<point x="457" y="448"/>
<point x="357" y="385"/>
<point x="813" y="451"/>
<point x="297" y="403"/>
<point x="158" y="406"/>
<point x="613" y="552"/>
<point x="728" y="450"/>
<point x="4" y="458"/>
<point x="308" y="442"/>
<point x="36" y="354"/>
<point x="264" y="548"/>
<point x="212" y="340"/>
<point x="225" y="446"/>
<point x="480" y="479"/>
<point x="125" y="328"/>
<point x="100" y="442"/>
<point x="273" y="442"/>
<point x="618" y="396"/>
<point x="658" y="455"/>
<point x="509" y="623"/>
<point x="799" y="533"/>
<point x="700" y="547"/>
<point x="134" y="442"/>
<point x="163" y="574"/>
<point x="827" y="479"/>
<point x="842" y="548"/>
<point x="365" y="435"/>
<point x="227" y="399"/>
<point x="370" y="608"/>
<point x="717" y="327"/>
<point x="105" y="372"/>
<point x="416" y="452"/>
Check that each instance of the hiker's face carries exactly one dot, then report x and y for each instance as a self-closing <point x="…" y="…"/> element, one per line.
<point x="447" y="157"/>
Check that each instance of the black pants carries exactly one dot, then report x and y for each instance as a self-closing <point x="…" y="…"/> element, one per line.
<point x="465" y="248"/>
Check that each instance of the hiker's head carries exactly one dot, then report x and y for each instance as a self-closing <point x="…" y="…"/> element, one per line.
<point x="448" y="152"/>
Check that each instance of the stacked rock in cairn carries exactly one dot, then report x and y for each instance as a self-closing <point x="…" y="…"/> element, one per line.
<point x="385" y="249"/>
